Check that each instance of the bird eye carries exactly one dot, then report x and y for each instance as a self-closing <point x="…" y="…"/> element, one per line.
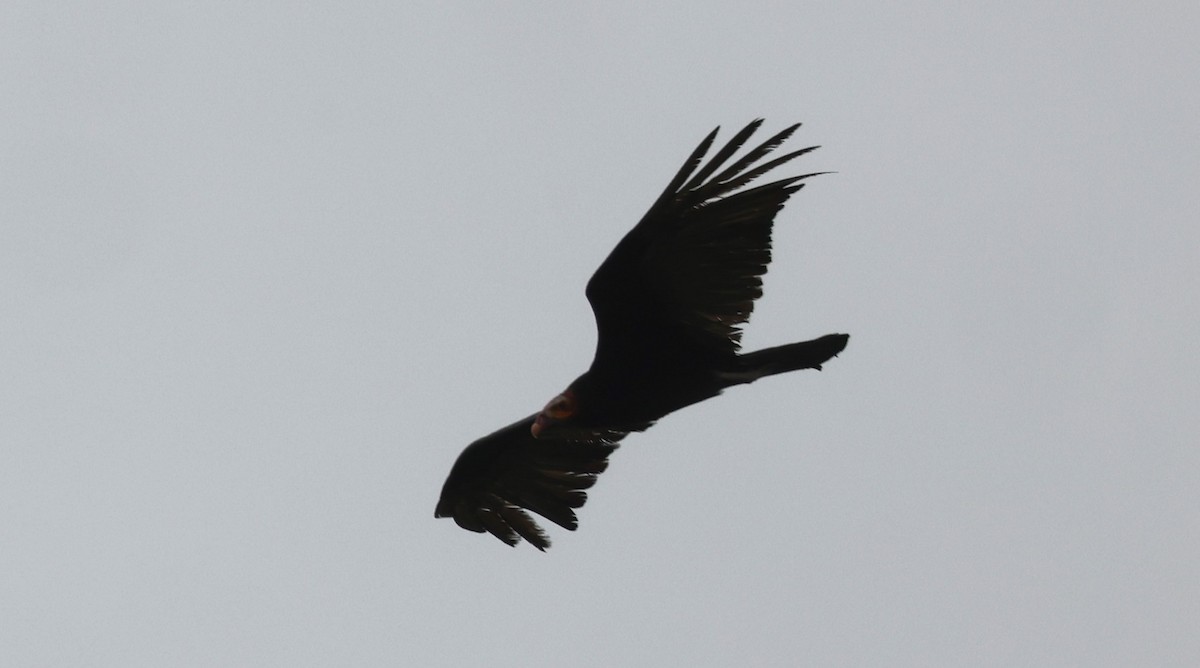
<point x="560" y="407"/>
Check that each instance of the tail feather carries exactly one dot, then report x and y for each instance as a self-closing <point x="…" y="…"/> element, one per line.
<point x="790" y="357"/>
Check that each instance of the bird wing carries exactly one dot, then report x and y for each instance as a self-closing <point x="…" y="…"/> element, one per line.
<point x="695" y="261"/>
<point x="500" y="476"/>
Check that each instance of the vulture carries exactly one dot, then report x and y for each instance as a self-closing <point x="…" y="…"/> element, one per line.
<point x="669" y="303"/>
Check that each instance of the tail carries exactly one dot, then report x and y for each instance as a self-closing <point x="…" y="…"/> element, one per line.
<point x="791" y="357"/>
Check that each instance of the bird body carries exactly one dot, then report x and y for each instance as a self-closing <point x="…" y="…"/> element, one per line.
<point x="669" y="302"/>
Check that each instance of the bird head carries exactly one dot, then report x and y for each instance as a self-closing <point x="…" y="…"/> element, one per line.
<point x="559" y="409"/>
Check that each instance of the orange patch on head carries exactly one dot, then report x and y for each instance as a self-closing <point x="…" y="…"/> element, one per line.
<point x="560" y="407"/>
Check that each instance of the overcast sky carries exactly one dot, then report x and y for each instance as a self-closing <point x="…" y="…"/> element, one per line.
<point x="265" y="271"/>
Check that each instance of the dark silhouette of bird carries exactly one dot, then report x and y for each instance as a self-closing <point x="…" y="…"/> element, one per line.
<point x="669" y="302"/>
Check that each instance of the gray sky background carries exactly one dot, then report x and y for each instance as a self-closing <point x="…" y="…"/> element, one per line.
<point x="264" y="271"/>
